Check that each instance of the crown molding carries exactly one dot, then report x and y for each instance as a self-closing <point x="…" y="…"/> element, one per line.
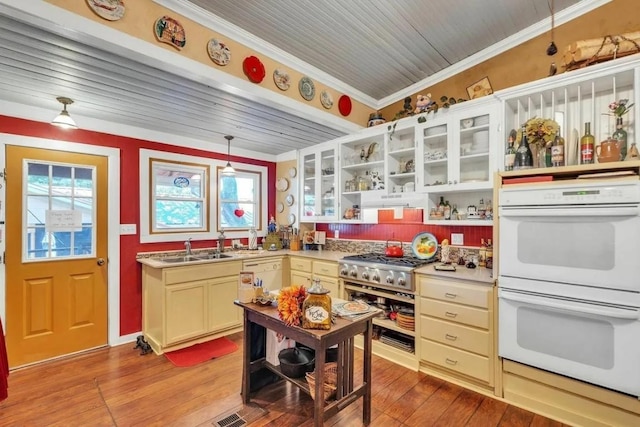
<point x="510" y="42"/>
<point x="219" y="25"/>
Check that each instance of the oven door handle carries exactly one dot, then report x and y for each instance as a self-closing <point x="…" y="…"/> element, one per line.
<point x="554" y="211"/>
<point x="576" y="307"/>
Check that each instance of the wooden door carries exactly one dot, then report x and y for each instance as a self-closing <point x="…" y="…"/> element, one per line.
<point x="56" y="287"/>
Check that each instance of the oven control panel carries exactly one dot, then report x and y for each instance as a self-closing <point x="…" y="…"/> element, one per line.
<point x="379" y="276"/>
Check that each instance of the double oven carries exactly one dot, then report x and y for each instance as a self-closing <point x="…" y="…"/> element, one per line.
<point x="569" y="279"/>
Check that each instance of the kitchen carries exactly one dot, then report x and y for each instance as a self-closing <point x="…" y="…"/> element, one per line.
<point x="130" y="320"/>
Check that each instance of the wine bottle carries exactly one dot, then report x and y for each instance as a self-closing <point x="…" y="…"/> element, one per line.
<point x="620" y="135"/>
<point x="447" y="210"/>
<point x="509" y="155"/>
<point x="557" y="150"/>
<point x="587" y="145"/>
<point x="524" y="156"/>
<point x="482" y="254"/>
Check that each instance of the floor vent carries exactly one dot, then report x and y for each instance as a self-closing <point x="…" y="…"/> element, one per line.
<point x="240" y="416"/>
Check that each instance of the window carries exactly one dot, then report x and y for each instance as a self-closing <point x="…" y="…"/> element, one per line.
<point x="179" y="197"/>
<point x="186" y="197"/>
<point x="239" y="200"/>
<point x="60" y="211"/>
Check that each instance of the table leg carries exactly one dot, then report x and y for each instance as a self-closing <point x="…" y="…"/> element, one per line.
<point x="366" y="375"/>
<point x="318" y="403"/>
<point x="246" y="359"/>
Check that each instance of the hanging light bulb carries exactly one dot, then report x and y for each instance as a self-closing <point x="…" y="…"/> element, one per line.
<point x="63" y="119"/>
<point x="228" y="169"/>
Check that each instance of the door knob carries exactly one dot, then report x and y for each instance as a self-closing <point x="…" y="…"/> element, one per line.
<point x="101" y="261"/>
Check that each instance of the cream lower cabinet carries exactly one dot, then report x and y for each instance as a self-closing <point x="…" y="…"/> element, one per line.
<point x="457" y="330"/>
<point x="189" y="304"/>
<point x="304" y="270"/>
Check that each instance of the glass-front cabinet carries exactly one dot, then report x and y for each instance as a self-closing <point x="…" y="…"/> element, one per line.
<point x="456" y="149"/>
<point x="401" y="157"/>
<point x="319" y="196"/>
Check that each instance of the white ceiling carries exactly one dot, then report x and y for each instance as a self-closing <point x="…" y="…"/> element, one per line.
<point x="373" y="50"/>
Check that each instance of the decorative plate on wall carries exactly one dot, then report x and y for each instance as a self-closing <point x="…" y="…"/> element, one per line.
<point x="282" y="79"/>
<point x="169" y="31"/>
<point x="280" y="207"/>
<point x="253" y="69"/>
<point x="282" y="184"/>
<point x="326" y="99"/>
<point x="293" y="172"/>
<point x="307" y="88"/>
<point x="289" y="200"/>
<point x="111" y="10"/>
<point x="218" y="52"/>
<point x="344" y="105"/>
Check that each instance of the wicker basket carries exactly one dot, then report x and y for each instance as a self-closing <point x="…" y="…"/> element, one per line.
<point x="330" y="381"/>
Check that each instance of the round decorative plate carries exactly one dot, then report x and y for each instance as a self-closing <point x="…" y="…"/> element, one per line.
<point x="289" y="200"/>
<point x="293" y="172"/>
<point x="282" y="184"/>
<point x="424" y="245"/>
<point x="111" y="10"/>
<point x="467" y="123"/>
<point x="292" y="219"/>
<point x="326" y="99"/>
<point x="282" y="79"/>
<point x="218" y="52"/>
<point x="307" y="88"/>
<point x="280" y="207"/>
<point x="170" y="31"/>
<point x="354" y="307"/>
<point x="253" y="69"/>
<point x="344" y="105"/>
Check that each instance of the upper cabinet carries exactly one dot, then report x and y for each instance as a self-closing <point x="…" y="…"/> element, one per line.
<point x="318" y="192"/>
<point x="573" y="99"/>
<point x="456" y="149"/>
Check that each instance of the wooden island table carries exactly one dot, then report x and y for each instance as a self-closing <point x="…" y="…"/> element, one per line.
<point x="342" y="334"/>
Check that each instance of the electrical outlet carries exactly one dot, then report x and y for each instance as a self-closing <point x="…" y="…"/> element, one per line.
<point x="457" y="239"/>
<point x="127" y="229"/>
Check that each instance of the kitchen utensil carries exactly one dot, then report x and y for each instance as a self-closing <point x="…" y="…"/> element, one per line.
<point x="394" y="251"/>
<point x="295" y="361"/>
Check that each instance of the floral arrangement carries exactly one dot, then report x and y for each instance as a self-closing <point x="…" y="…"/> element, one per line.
<point x="541" y="132"/>
<point x="290" y="302"/>
<point x="620" y="108"/>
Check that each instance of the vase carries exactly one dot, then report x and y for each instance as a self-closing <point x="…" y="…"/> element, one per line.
<point x="535" y="154"/>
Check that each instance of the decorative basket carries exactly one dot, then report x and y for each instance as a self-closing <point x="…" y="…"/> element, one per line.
<point x="330" y="381"/>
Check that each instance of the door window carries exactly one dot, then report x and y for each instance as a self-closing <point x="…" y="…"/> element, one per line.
<point x="59" y="211"/>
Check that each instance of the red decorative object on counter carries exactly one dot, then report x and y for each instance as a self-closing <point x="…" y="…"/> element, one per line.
<point x="253" y="69"/>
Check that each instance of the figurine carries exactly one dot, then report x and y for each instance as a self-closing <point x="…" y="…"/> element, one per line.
<point x="424" y="103"/>
<point x="272" y="227"/>
<point x="444" y="251"/>
<point x="144" y="346"/>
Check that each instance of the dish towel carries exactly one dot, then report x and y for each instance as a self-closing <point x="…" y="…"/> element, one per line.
<point x="4" y="366"/>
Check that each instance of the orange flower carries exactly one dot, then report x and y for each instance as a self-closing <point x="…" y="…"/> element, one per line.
<point x="290" y="302"/>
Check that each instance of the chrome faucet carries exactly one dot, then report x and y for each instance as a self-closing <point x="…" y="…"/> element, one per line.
<point x="187" y="245"/>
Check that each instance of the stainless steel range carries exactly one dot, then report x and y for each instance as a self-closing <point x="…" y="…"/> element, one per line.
<point x="382" y="271"/>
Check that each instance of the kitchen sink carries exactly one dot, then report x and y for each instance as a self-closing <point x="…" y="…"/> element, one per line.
<point x="212" y="256"/>
<point x="192" y="258"/>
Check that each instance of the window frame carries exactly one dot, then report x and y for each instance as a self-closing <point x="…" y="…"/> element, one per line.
<point x="257" y="178"/>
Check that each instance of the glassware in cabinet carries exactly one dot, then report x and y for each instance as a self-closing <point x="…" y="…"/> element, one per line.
<point x="318" y="183"/>
<point x="401" y="159"/>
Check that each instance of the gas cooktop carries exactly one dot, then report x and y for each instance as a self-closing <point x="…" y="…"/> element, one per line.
<point x="405" y="261"/>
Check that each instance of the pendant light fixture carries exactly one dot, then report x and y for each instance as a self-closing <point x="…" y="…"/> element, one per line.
<point x="228" y="169"/>
<point x="63" y="119"/>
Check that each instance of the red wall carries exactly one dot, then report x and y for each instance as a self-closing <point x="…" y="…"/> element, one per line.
<point x="130" y="270"/>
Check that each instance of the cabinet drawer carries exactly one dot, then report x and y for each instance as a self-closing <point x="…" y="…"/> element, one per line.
<point x="456" y="360"/>
<point x="455" y="313"/>
<point x="201" y="272"/>
<point x="452" y="291"/>
<point x="329" y="269"/>
<point x="301" y="264"/>
<point x="455" y="335"/>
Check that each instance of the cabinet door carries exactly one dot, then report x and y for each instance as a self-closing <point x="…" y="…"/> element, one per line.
<point x="435" y="143"/>
<point x="186" y="311"/>
<point x="300" y="278"/>
<point x="331" y="283"/>
<point x="472" y="157"/>
<point x="318" y="190"/>
<point x="222" y="313"/>
<point x="401" y="159"/>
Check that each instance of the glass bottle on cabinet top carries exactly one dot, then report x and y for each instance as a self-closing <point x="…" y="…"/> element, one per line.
<point x="318" y="183"/>
<point x="620" y="135"/>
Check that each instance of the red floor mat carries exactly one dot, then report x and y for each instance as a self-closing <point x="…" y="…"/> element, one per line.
<point x="202" y="352"/>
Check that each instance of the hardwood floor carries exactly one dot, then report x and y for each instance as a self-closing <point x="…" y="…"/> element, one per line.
<point x="119" y="387"/>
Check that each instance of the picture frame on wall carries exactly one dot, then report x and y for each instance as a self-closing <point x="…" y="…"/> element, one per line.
<point x="480" y="88"/>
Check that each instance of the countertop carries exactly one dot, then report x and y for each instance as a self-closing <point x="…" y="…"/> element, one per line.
<point x="154" y="259"/>
<point x="478" y="274"/>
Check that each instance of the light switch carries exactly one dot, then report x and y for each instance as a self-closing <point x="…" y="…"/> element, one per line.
<point x="457" y="239"/>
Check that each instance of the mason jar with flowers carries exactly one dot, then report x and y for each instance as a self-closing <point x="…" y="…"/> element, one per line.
<point x="540" y="135"/>
<point x="619" y="109"/>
